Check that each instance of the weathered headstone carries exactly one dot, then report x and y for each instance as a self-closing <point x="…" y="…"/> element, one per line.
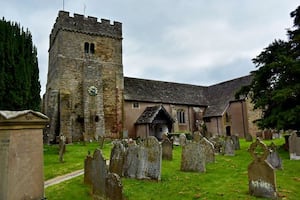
<point x="62" y="148"/>
<point x="167" y="149"/>
<point x="114" y="187"/>
<point x="218" y="143"/>
<point x="100" y="173"/>
<point x="273" y="157"/>
<point x="209" y="150"/>
<point x="229" y="146"/>
<point x="193" y="157"/>
<point x="131" y="160"/>
<point x="294" y="146"/>
<point x="88" y="169"/>
<point x="21" y="155"/>
<point x="182" y="139"/>
<point x="143" y="161"/>
<point x="236" y="142"/>
<point x="261" y="175"/>
<point x="117" y="158"/>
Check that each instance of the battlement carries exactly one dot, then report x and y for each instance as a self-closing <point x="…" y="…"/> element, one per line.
<point x="88" y="25"/>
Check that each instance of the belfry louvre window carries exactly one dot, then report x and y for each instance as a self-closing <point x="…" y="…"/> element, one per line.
<point x="181" y="116"/>
<point x="89" y="48"/>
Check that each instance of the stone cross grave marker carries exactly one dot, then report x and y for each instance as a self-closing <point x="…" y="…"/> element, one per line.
<point x="261" y="175"/>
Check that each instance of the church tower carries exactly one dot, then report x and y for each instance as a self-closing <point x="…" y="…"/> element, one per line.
<point x="84" y="91"/>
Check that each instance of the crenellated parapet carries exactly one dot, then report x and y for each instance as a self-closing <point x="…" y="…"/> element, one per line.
<point x="87" y="25"/>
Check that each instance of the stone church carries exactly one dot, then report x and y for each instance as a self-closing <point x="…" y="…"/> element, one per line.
<point x="87" y="95"/>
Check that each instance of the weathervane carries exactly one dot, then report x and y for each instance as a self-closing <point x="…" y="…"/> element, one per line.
<point x="63" y="2"/>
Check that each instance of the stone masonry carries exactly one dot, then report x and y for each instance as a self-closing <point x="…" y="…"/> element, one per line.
<point x="84" y="92"/>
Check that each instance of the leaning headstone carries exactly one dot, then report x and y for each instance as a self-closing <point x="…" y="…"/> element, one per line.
<point x="294" y="146"/>
<point x="117" y="158"/>
<point x="209" y="150"/>
<point x="261" y="175"/>
<point x="182" y="139"/>
<point x="167" y="149"/>
<point x="218" y="143"/>
<point x="236" y="142"/>
<point x="21" y="155"/>
<point x="100" y="173"/>
<point x="114" y="187"/>
<point x="273" y="157"/>
<point x="229" y="146"/>
<point x="193" y="157"/>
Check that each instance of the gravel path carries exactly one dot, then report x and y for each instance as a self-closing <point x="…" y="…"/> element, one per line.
<point x="62" y="178"/>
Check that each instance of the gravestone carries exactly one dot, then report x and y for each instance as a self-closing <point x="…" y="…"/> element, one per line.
<point x="182" y="139"/>
<point x="114" y="187"/>
<point x="193" y="157"/>
<point x="218" y="143"/>
<point x="100" y="173"/>
<point x="236" y="142"/>
<point x="143" y="161"/>
<point x="167" y="149"/>
<point x="89" y="171"/>
<point x="62" y="148"/>
<point x="21" y="155"/>
<point x="131" y="160"/>
<point x="273" y="157"/>
<point x="294" y="146"/>
<point x="105" y="185"/>
<point x="209" y="150"/>
<point x="229" y="146"/>
<point x="261" y="175"/>
<point x="117" y="158"/>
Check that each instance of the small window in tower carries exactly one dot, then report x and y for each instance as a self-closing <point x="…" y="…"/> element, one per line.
<point x="135" y="105"/>
<point x="92" y="48"/>
<point x="86" y="47"/>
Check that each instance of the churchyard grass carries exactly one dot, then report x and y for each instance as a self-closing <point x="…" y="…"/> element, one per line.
<point x="73" y="157"/>
<point x="225" y="179"/>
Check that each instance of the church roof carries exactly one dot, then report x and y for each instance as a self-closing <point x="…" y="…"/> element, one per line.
<point x="215" y="97"/>
<point x="221" y="94"/>
<point x="150" y="114"/>
<point x="163" y="92"/>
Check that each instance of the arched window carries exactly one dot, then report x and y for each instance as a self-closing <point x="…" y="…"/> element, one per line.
<point x="181" y="116"/>
<point x="92" y="48"/>
<point x="86" y="47"/>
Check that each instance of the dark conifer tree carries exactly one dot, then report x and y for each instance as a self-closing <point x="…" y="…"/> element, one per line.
<point x="19" y="73"/>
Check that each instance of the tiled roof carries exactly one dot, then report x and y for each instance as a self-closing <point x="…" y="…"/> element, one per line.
<point x="163" y="92"/>
<point x="150" y="113"/>
<point x="221" y="94"/>
<point x="215" y="97"/>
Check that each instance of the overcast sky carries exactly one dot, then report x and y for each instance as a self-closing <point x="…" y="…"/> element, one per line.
<point x="200" y="42"/>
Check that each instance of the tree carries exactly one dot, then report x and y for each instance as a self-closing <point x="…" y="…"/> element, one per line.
<point x="275" y="88"/>
<point x="19" y="73"/>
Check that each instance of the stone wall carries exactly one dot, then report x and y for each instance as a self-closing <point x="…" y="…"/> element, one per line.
<point x="73" y="70"/>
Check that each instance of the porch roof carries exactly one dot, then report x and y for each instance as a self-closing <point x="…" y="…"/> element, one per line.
<point x="150" y="113"/>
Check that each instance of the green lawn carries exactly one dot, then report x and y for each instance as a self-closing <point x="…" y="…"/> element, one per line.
<point x="224" y="179"/>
